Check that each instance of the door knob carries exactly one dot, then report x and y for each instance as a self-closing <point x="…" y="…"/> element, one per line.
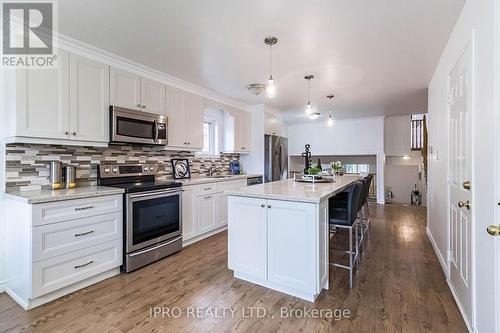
<point x="466" y="185"/>
<point x="464" y="204"/>
<point x="493" y="230"/>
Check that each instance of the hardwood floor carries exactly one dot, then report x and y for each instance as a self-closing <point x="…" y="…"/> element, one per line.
<point x="399" y="287"/>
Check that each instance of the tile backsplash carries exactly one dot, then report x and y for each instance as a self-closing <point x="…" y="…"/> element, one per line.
<point x="27" y="165"/>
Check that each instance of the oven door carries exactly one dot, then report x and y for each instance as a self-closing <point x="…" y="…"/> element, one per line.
<point x="131" y="126"/>
<point x="152" y="217"/>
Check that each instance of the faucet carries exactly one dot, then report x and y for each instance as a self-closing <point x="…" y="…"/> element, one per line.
<point x="212" y="170"/>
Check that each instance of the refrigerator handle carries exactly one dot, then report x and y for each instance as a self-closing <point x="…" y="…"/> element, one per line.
<point x="281" y="161"/>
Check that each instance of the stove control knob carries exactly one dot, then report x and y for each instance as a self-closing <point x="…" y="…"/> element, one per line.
<point x="115" y="170"/>
<point x="152" y="169"/>
<point x="146" y="169"/>
<point x="106" y="170"/>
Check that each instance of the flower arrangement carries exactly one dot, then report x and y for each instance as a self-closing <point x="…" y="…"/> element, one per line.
<point x="336" y="166"/>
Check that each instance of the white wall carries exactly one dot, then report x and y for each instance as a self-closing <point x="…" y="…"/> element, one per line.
<point x="476" y="18"/>
<point x="3" y="241"/>
<point x="358" y="136"/>
<point x="397" y="135"/>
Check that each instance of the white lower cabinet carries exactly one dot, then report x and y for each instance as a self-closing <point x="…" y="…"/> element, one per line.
<point x="204" y="208"/>
<point x="59" y="247"/>
<point x="206" y="219"/>
<point x="273" y="243"/>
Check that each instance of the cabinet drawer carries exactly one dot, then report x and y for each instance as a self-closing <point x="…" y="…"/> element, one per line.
<point x="62" y="271"/>
<point x="205" y="189"/>
<point x="59" y="238"/>
<point x="75" y="209"/>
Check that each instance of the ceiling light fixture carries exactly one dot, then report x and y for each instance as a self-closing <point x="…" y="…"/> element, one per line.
<point x="309" y="110"/>
<point x="271" y="88"/>
<point x="330" y="120"/>
<point x="314" y="115"/>
<point x="256" y="88"/>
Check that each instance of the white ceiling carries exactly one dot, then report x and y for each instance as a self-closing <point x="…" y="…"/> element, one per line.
<point x="376" y="56"/>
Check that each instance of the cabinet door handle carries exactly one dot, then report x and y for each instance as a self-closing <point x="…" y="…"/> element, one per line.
<point x="207" y="197"/>
<point x="66" y="132"/>
<point x="269" y="206"/>
<point x="74" y="133"/>
<point x="207" y="188"/>
<point x="144" y="106"/>
<point x="263" y="205"/>
<point x="138" y="105"/>
<point x="83" y="265"/>
<point x="84" y="208"/>
<point x="84" y="233"/>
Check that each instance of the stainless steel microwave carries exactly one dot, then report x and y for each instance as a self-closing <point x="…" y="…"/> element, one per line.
<point x="130" y="126"/>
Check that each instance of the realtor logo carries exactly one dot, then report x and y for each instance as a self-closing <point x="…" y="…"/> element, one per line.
<point x="28" y="34"/>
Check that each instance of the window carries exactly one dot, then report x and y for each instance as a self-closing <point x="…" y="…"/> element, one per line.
<point x="210" y="142"/>
<point x="356" y="168"/>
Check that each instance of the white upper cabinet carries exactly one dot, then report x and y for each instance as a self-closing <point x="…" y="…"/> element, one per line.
<point x="40" y="106"/>
<point x="135" y="92"/>
<point x="237" y="131"/>
<point x="243" y="133"/>
<point x="152" y="96"/>
<point x="89" y="99"/>
<point x="125" y="89"/>
<point x="68" y="103"/>
<point x="185" y="119"/>
<point x="272" y="124"/>
<point x="194" y="121"/>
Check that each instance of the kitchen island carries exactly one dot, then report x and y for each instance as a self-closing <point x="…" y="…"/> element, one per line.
<point x="278" y="234"/>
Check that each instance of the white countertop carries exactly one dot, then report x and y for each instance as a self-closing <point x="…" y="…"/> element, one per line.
<point x="43" y="196"/>
<point x="204" y="180"/>
<point x="291" y="190"/>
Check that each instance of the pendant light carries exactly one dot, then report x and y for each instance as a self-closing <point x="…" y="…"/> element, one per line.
<point x="309" y="110"/>
<point x="271" y="88"/>
<point x="330" y="120"/>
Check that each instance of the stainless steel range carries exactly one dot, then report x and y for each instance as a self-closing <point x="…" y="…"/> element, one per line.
<point x="152" y="212"/>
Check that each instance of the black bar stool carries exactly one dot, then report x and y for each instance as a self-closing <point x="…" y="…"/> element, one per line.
<point x="344" y="215"/>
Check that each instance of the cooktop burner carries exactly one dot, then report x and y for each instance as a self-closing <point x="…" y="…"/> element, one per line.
<point x="133" y="177"/>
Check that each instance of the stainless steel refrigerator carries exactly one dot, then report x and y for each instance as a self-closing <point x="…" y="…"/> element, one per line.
<point x="276" y="158"/>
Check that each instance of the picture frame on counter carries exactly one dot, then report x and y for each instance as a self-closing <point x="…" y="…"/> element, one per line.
<point x="180" y="168"/>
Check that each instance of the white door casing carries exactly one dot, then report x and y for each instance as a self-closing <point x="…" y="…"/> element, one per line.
<point x="460" y="246"/>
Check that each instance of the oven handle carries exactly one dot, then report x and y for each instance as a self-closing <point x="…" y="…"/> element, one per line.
<point x="154" y="247"/>
<point x="149" y="194"/>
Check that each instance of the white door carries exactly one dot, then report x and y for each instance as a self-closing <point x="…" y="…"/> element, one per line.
<point x="42" y="101"/>
<point x="89" y="99"/>
<point x="188" y="214"/>
<point x="176" y="114"/>
<point x="125" y="89"/>
<point x="290" y="223"/>
<point x="153" y="96"/>
<point x="247" y="241"/>
<point x="194" y="121"/>
<point x="460" y="106"/>
<point x="205" y="213"/>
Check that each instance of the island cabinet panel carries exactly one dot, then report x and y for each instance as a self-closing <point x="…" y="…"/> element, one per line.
<point x="247" y="241"/>
<point x="291" y="244"/>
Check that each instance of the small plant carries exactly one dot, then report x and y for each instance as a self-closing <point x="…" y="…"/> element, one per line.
<point x="336" y="166"/>
<point x="313" y="171"/>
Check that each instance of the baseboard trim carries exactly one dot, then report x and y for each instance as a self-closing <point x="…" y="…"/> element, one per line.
<point x="3" y="285"/>
<point x="444" y="266"/>
<point x="459" y="304"/>
<point x="441" y="260"/>
<point x="203" y="236"/>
